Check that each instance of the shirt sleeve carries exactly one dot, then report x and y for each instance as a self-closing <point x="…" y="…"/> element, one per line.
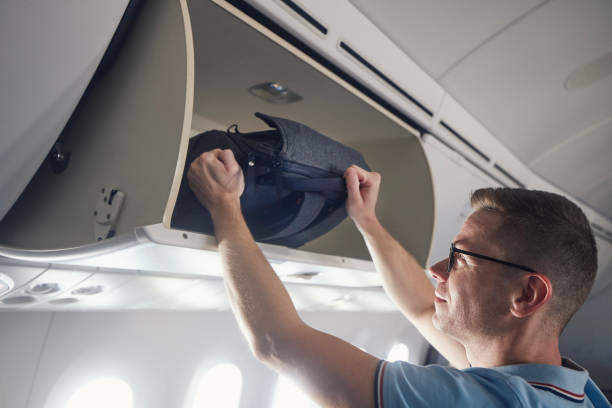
<point x="401" y="384"/>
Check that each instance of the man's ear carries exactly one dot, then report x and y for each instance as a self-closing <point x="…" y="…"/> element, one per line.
<point x="536" y="290"/>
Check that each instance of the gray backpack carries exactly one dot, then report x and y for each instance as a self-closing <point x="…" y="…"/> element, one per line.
<point x="294" y="185"/>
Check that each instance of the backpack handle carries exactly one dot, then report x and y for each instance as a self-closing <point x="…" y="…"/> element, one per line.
<point x="330" y="187"/>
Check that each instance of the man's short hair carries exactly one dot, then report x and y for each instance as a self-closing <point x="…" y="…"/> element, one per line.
<point x="550" y="234"/>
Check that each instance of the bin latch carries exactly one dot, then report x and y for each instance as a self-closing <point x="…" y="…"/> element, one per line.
<point x="108" y="207"/>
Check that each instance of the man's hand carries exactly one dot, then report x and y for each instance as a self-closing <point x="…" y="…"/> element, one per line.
<point x="216" y="179"/>
<point x="362" y="187"/>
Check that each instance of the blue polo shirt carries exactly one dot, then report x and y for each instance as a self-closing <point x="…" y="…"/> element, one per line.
<point x="401" y="384"/>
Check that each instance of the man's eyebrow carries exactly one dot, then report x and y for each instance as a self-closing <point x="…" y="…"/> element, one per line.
<point x="459" y="244"/>
<point x="475" y="259"/>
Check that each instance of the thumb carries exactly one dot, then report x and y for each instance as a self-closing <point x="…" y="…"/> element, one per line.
<point x="352" y="185"/>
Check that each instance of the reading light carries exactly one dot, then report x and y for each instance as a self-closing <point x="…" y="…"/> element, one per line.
<point x="6" y="284"/>
<point x="18" y="300"/>
<point x="63" y="301"/>
<point x="43" y="288"/>
<point x="274" y="92"/>
<point x="88" y="290"/>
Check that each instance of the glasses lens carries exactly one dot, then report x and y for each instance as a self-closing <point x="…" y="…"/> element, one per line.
<point x="451" y="259"/>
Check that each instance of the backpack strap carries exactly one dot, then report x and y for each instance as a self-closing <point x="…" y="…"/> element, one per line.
<point x="336" y="215"/>
<point x="309" y="210"/>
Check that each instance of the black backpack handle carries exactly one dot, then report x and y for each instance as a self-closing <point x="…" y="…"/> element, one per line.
<point x="330" y="187"/>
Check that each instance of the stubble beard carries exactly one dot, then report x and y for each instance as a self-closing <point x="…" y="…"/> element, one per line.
<point x="450" y="325"/>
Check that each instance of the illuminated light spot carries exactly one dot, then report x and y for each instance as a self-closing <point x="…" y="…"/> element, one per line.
<point x="103" y="393"/>
<point x="220" y="387"/>
<point x="399" y="352"/>
<point x="287" y="394"/>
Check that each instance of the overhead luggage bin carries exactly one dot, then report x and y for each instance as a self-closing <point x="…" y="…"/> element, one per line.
<point x="50" y="53"/>
<point x="187" y="67"/>
<point x="128" y="135"/>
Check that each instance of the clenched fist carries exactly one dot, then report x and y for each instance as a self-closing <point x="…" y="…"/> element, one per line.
<point x="362" y="187"/>
<point x="216" y="179"/>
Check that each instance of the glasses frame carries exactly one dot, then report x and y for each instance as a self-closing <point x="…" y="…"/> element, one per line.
<point x="453" y="249"/>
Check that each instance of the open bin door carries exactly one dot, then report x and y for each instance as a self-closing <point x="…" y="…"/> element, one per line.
<point x="129" y="133"/>
<point x="50" y="53"/>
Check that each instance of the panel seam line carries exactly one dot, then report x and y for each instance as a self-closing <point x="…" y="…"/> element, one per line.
<point x="40" y="355"/>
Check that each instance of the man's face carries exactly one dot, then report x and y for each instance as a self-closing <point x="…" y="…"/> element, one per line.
<point x="473" y="299"/>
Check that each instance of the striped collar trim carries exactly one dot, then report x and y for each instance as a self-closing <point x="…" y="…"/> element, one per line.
<point x="566" y="381"/>
<point x="563" y="393"/>
<point x="378" y="384"/>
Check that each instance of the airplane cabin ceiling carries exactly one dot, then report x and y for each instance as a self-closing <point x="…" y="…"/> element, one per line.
<point x="536" y="74"/>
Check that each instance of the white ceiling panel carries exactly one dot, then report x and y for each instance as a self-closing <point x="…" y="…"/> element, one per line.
<point x="516" y="86"/>
<point x="515" y="83"/>
<point x="601" y="195"/>
<point x="143" y="292"/>
<point x="583" y="165"/>
<point x="437" y="34"/>
<point x="204" y="294"/>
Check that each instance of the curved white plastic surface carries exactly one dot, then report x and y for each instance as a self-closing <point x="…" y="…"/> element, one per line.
<point x="453" y="181"/>
<point x="49" y="51"/>
<point x="157" y="250"/>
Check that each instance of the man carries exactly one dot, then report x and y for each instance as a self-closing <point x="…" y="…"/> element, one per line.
<point x="502" y="299"/>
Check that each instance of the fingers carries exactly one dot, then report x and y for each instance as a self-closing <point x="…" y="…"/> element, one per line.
<point x="365" y="178"/>
<point x="217" y="161"/>
<point x="359" y="173"/>
<point x="229" y="161"/>
<point x="352" y="184"/>
<point x="216" y="179"/>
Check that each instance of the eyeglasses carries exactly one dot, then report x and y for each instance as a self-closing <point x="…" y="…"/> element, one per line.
<point x="453" y="249"/>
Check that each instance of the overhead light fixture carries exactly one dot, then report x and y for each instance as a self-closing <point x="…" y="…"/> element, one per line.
<point x="42" y="288"/>
<point x="63" y="301"/>
<point x="590" y="73"/>
<point x="18" y="300"/>
<point x="274" y="92"/>
<point x="6" y="284"/>
<point x="88" y="290"/>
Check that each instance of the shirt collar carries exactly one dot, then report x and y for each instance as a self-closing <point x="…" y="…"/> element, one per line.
<point x="567" y="380"/>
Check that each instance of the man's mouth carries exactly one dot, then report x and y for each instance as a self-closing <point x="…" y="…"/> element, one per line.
<point x="439" y="299"/>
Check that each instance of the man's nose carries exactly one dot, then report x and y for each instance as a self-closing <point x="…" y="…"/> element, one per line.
<point x="438" y="270"/>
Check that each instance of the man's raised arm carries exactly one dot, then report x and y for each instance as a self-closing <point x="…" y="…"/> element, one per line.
<point x="333" y="372"/>
<point x="403" y="278"/>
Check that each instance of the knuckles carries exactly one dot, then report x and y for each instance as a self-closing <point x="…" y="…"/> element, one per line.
<point x="355" y="171"/>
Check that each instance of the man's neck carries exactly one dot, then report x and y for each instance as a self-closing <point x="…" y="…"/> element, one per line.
<point x="513" y="349"/>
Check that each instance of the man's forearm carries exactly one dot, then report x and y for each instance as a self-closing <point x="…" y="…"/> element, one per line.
<point x="406" y="283"/>
<point x="403" y="278"/>
<point x="257" y="296"/>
